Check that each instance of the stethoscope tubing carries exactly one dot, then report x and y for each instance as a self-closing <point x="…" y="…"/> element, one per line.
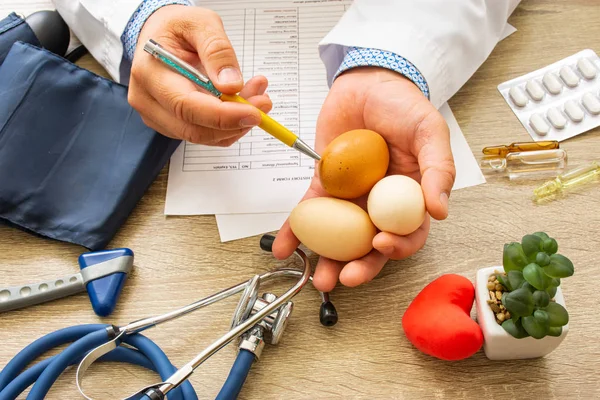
<point x="29" y="376"/>
<point x="237" y="376"/>
<point x="83" y="338"/>
<point x="47" y="378"/>
<point x="42" y="345"/>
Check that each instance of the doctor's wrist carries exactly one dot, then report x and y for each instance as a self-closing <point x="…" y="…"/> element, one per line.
<point x="366" y="83"/>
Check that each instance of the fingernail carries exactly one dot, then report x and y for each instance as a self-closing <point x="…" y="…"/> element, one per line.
<point x="250" y="120"/>
<point x="262" y="88"/>
<point x="229" y="75"/>
<point x="444" y="200"/>
<point x="387" y="250"/>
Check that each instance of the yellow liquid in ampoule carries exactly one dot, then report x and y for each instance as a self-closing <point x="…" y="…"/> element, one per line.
<point x="569" y="180"/>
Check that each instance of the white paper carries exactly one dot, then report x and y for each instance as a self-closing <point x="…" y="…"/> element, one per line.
<point x="260" y="174"/>
<point x="239" y="226"/>
<point x="468" y="172"/>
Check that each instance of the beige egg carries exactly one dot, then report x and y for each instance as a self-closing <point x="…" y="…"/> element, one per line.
<point x="396" y="205"/>
<point x="333" y="228"/>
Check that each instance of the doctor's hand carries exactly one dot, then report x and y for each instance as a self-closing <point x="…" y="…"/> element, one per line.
<point x="419" y="143"/>
<point x="177" y="108"/>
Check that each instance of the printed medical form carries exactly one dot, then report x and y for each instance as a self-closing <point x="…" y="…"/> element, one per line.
<point x="260" y="174"/>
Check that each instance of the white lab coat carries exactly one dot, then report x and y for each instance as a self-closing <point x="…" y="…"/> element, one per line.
<point x="447" y="40"/>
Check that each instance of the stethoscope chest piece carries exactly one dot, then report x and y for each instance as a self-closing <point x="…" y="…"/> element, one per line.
<point x="269" y="329"/>
<point x="247" y="301"/>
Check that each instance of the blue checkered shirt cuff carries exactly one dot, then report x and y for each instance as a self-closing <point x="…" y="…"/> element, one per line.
<point x="363" y="57"/>
<point x="131" y="33"/>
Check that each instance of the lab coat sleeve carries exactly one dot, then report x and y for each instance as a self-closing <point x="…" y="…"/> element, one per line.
<point x="445" y="40"/>
<point x="109" y="28"/>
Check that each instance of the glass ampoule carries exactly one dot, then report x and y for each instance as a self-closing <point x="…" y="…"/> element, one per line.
<point x="569" y="180"/>
<point x="528" y="164"/>
<point x="503" y="150"/>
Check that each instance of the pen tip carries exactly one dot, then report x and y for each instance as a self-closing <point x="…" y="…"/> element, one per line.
<point x="305" y="149"/>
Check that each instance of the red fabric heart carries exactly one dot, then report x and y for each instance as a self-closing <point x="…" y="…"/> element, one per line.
<point x="438" y="320"/>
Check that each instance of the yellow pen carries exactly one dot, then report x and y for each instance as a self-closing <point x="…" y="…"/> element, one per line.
<point x="268" y="124"/>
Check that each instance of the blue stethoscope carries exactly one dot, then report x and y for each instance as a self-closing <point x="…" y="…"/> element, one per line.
<point x="256" y="320"/>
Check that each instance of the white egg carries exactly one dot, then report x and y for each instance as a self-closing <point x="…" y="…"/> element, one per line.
<point x="396" y="205"/>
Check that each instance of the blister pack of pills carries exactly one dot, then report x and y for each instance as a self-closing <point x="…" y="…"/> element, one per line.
<point x="558" y="101"/>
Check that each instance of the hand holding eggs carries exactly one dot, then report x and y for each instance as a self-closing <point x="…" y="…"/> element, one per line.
<point x="353" y="165"/>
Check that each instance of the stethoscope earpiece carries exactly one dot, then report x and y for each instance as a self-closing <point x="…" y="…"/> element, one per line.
<point x="266" y="242"/>
<point x="328" y="314"/>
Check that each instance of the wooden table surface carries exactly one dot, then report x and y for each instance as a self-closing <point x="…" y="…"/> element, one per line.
<point x="366" y="355"/>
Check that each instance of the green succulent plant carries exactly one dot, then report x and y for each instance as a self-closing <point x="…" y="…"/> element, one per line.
<point x="532" y="273"/>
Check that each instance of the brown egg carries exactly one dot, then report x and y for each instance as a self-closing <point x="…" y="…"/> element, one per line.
<point x="353" y="163"/>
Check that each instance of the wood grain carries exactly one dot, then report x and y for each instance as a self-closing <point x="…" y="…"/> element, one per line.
<point x="366" y="355"/>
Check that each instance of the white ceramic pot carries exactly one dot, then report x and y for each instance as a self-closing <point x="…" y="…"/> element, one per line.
<point x="499" y="344"/>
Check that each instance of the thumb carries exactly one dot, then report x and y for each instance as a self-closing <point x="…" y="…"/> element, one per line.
<point x="207" y="35"/>
<point x="433" y="151"/>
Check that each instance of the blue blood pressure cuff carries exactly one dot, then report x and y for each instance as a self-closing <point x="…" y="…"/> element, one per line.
<point x="75" y="157"/>
<point x="12" y="29"/>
